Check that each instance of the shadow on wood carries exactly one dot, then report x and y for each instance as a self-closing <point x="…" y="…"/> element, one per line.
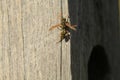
<point x="98" y="67"/>
<point x="75" y="54"/>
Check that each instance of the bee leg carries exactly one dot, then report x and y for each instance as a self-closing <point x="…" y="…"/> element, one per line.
<point x="61" y="37"/>
<point x="60" y="40"/>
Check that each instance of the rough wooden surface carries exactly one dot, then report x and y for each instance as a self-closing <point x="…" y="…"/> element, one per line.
<point x="28" y="51"/>
<point x="97" y="22"/>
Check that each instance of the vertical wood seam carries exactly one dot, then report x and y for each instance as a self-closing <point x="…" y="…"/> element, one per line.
<point x="23" y="41"/>
<point x="61" y="61"/>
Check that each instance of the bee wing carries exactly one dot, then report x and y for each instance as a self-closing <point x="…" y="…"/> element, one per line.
<point x="74" y="25"/>
<point x="71" y="27"/>
<point x="57" y="25"/>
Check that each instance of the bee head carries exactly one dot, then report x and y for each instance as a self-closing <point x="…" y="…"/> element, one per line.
<point x="64" y="19"/>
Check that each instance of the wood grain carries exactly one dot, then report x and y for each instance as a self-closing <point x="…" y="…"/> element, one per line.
<point x="28" y="51"/>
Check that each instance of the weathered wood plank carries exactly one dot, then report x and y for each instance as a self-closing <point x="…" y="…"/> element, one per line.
<point x="12" y="53"/>
<point x="4" y="42"/>
<point x="28" y="51"/>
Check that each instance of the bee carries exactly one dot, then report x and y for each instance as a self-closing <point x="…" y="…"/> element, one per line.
<point x="65" y="27"/>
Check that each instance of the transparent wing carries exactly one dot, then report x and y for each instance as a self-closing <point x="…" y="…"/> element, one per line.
<point x="74" y="25"/>
<point x="57" y="25"/>
<point x="71" y="27"/>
